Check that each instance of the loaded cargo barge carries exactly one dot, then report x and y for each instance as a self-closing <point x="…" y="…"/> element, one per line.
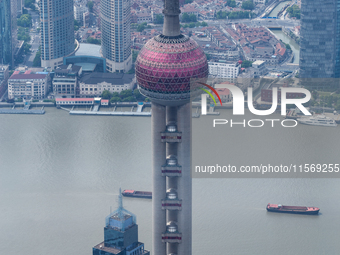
<point x="292" y="209"/>
<point x="136" y="193"/>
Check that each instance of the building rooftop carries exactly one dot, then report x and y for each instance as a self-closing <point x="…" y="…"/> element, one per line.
<point x="113" y="78"/>
<point x="27" y="76"/>
<point x="88" y="49"/>
<point x="104" y="248"/>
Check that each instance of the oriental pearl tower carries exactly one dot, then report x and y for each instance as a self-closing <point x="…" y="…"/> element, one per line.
<point x="165" y="68"/>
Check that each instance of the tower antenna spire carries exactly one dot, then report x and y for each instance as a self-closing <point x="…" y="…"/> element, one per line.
<point x="171" y="13"/>
<point x="120" y="204"/>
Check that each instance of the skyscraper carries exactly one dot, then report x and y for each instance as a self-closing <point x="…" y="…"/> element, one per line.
<point x="116" y="36"/>
<point x="320" y="39"/>
<point x="164" y="68"/>
<point x="7" y="31"/>
<point x="57" y="31"/>
<point x="120" y="234"/>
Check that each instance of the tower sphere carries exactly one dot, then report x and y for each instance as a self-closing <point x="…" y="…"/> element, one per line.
<point x="167" y="66"/>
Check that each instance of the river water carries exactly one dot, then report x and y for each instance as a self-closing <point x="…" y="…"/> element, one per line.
<point x="278" y="8"/>
<point x="60" y="174"/>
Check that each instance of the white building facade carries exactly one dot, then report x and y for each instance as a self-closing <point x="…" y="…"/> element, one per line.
<point x="94" y="84"/>
<point x="224" y="70"/>
<point x="27" y="86"/>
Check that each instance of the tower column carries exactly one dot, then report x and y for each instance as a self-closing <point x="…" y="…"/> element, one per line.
<point x="184" y="188"/>
<point x="158" y="125"/>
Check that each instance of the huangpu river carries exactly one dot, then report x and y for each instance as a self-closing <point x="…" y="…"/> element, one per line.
<point x="60" y="176"/>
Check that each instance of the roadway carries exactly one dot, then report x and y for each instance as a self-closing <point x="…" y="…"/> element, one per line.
<point x="35" y="38"/>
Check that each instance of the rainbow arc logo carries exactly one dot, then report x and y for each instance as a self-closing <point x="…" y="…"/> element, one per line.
<point x="209" y="93"/>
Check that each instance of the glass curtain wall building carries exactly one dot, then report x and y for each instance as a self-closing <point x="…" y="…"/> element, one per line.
<point x="116" y="36"/>
<point x="320" y="39"/>
<point x="57" y="31"/>
<point x="7" y="31"/>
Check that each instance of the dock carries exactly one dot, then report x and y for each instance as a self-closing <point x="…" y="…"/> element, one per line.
<point x="25" y="110"/>
<point x="145" y="114"/>
<point x="95" y="111"/>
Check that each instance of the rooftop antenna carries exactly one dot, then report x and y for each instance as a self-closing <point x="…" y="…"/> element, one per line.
<point x="120" y="204"/>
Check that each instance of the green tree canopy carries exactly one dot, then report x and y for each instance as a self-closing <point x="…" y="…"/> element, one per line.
<point x="25" y="20"/>
<point x="93" y="40"/>
<point x="248" y="5"/>
<point x="294" y="11"/>
<point x="90" y="5"/>
<point x="106" y="94"/>
<point x="246" y="63"/>
<point x="231" y="3"/>
<point x="37" y="58"/>
<point x="159" y="19"/>
<point x="126" y="93"/>
<point x="30" y="4"/>
<point x="188" y="17"/>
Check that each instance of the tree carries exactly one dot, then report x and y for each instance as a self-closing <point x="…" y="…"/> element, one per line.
<point x="25" y="20"/>
<point x="115" y="99"/>
<point x="23" y="34"/>
<point x="30" y="4"/>
<point x="189" y="17"/>
<point x="93" y="40"/>
<point x="106" y="94"/>
<point x="246" y="63"/>
<point x="26" y="47"/>
<point x="193" y="17"/>
<point x="159" y="19"/>
<point x="138" y="95"/>
<point x="221" y="15"/>
<point x="134" y="55"/>
<point x="294" y="11"/>
<point x="76" y="25"/>
<point x="141" y="27"/>
<point x="37" y="58"/>
<point x="248" y="5"/>
<point x="129" y="99"/>
<point x="231" y="3"/>
<point x="204" y="24"/>
<point x="90" y="5"/>
<point x="126" y="93"/>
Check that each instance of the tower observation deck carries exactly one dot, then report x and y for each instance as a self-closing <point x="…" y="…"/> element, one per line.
<point x="166" y="70"/>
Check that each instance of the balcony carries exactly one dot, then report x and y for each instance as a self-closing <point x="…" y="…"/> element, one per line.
<point x="171" y="134"/>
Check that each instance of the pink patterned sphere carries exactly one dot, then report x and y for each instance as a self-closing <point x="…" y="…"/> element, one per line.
<point x="166" y="65"/>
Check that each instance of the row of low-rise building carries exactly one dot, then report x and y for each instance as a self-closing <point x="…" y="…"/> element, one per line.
<point x="257" y="43"/>
<point x="68" y="81"/>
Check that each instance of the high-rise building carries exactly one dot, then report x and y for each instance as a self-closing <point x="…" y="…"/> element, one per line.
<point x="320" y="39"/>
<point x="164" y="70"/>
<point x="116" y="36"/>
<point x="120" y="234"/>
<point x="8" y="34"/>
<point x="57" y="31"/>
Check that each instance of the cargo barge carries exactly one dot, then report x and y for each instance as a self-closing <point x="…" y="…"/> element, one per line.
<point x="292" y="209"/>
<point x="136" y="193"/>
